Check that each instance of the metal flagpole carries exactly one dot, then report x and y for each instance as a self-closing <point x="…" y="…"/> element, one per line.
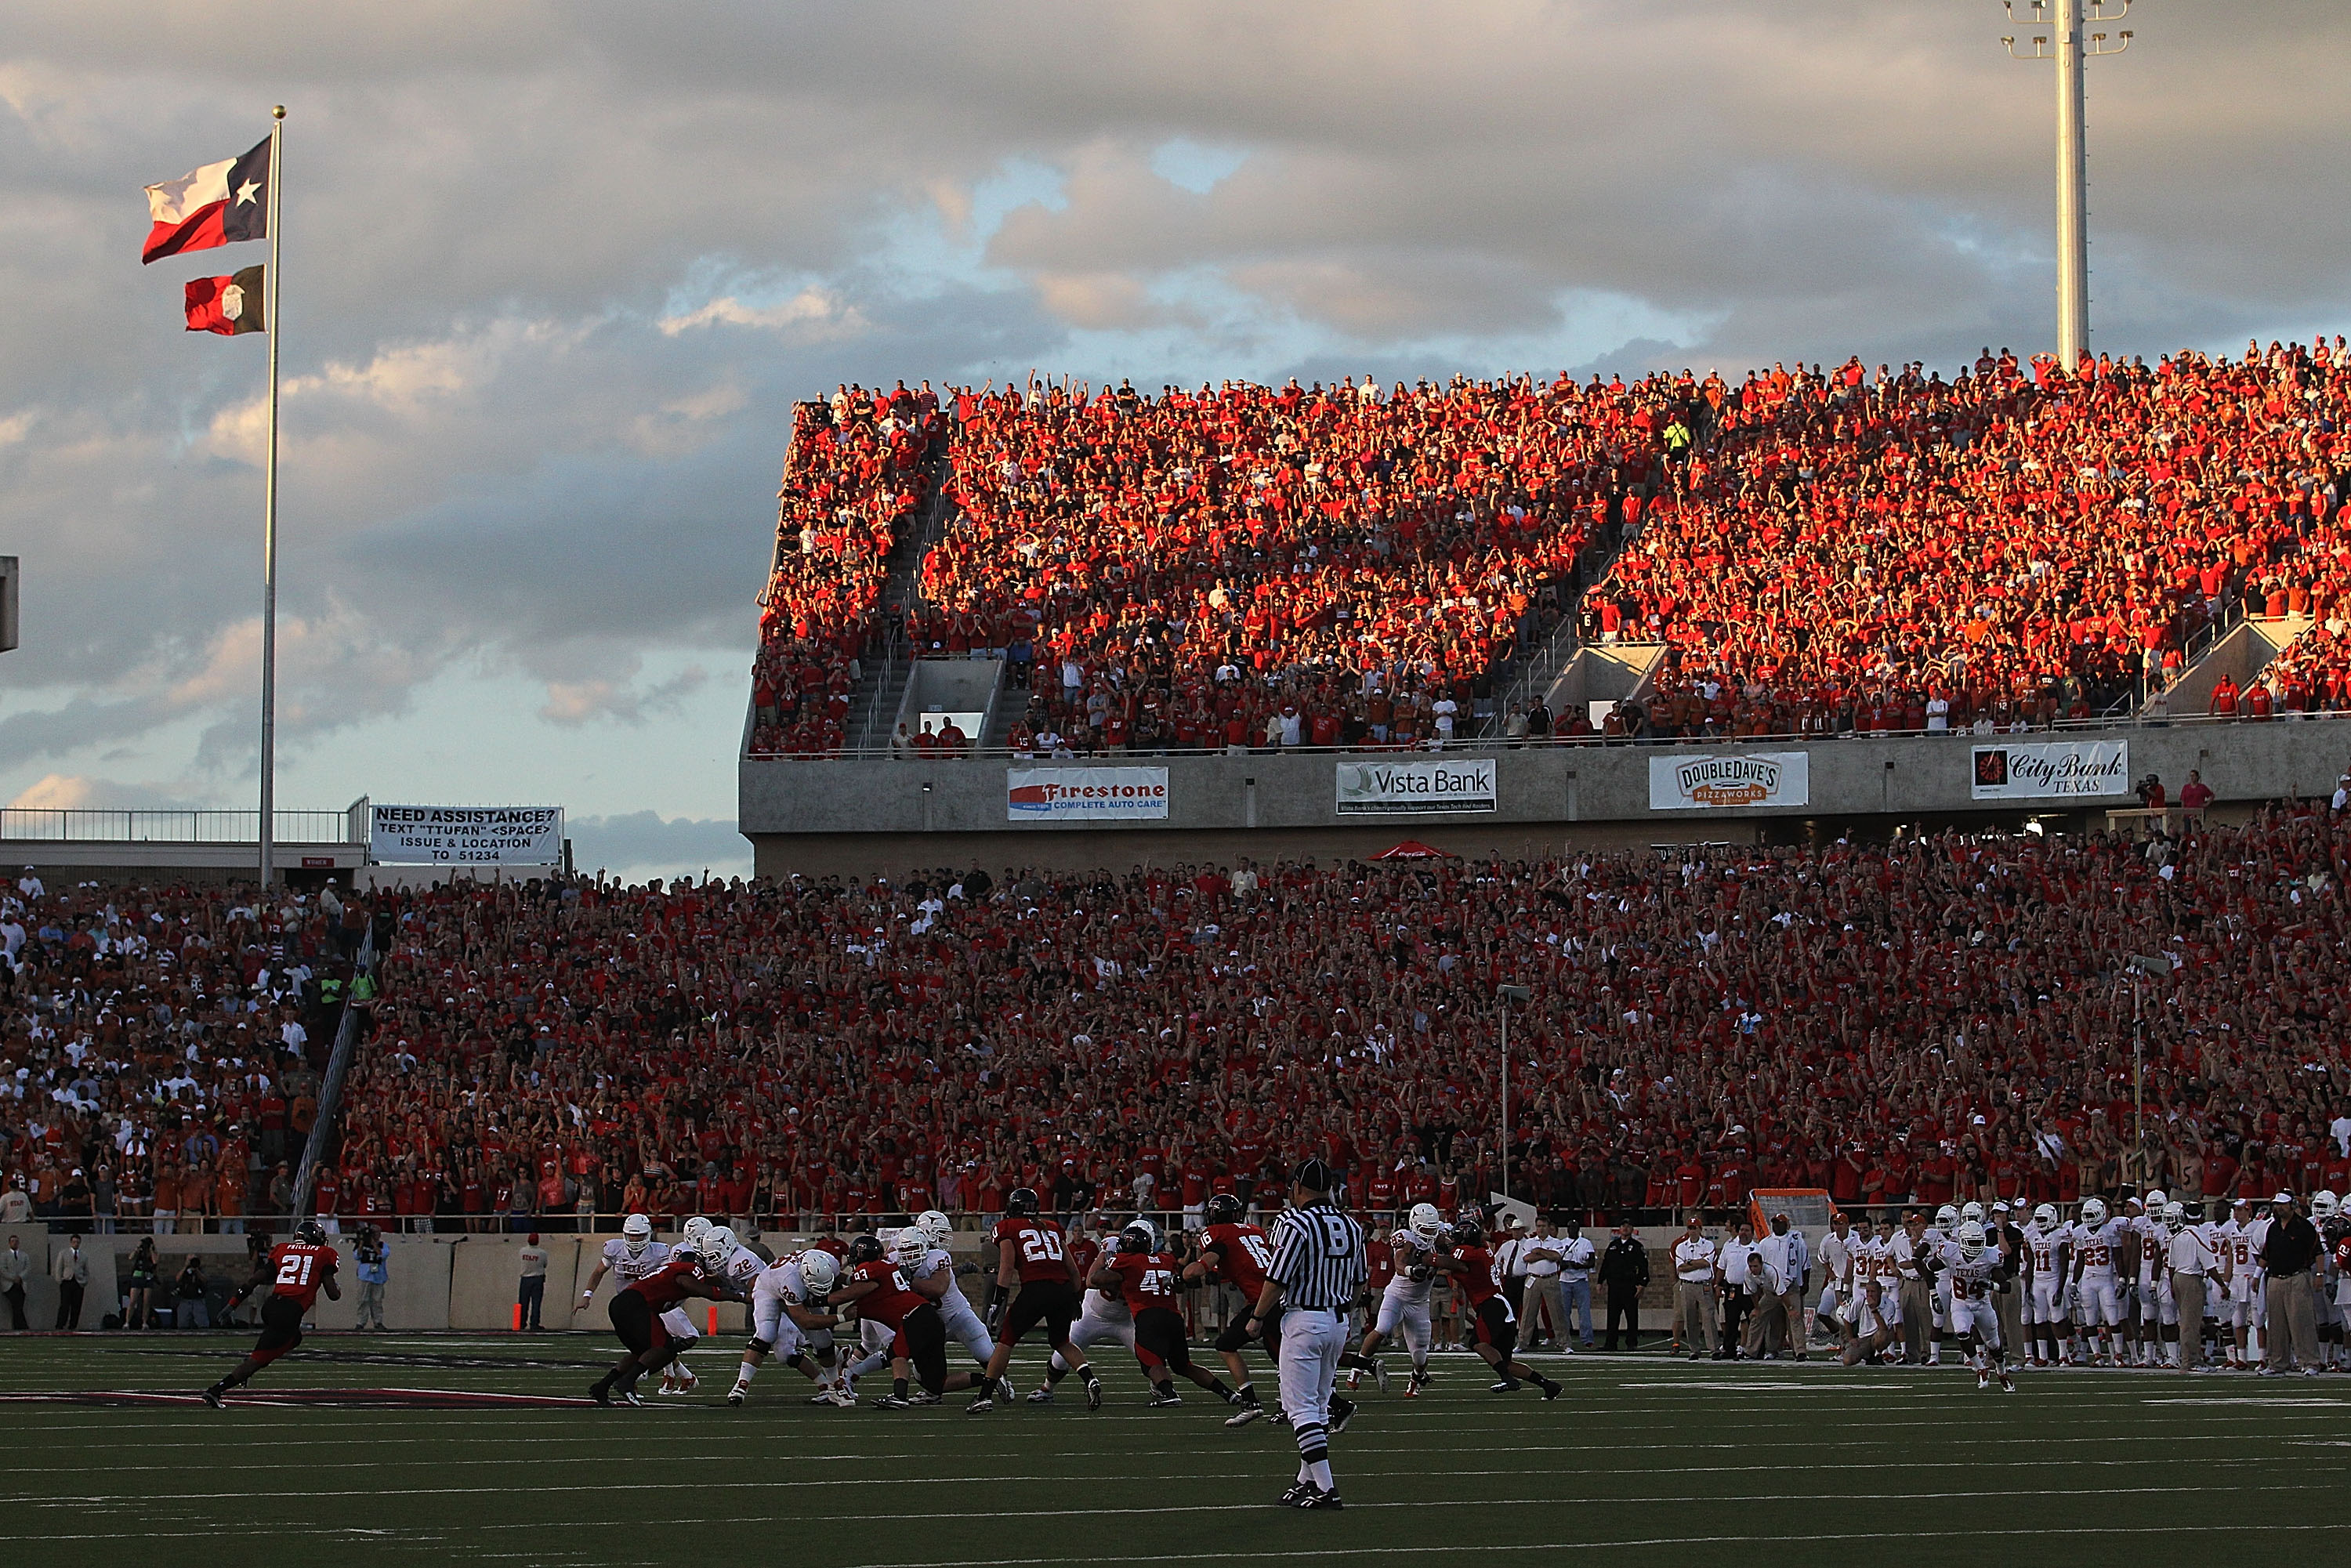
<point x="269" y="528"/>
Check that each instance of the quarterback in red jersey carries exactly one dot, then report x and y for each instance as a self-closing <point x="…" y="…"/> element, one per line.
<point x="1032" y="1263"/>
<point x="1145" y="1275"/>
<point x="295" y="1271"/>
<point x="1236" y="1252"/>
<point x="1497" y="1327"/>
<point x="637" y="1313"/>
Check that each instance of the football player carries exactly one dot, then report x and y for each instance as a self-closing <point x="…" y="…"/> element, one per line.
<point x="1102" y="1319"/>
<point x="628" y="1256"/>
<point x="676" y="1377"/>
<point x="789" y="1321"/>
<point x="1147" y="1276"/>
<point x="1946" y="1226"/>
<point x="2334" y="1258"/>
<point x="637" y="1311"/>
<point x="2098" y="1239"/>
<point x="1973" y="1270"/>
<point x="1877" y="1304"/>
<point x="1494" y="1327"/>
<point x="1404" y="1303"/>
<point x="963" y="1324"/>
<point x="2048" y="1247"/>
<point x="295" y="1271"/>
<point x="1033" y="1267"/>
<point x="2158" y="1309"/>
<point x="882" y="1294"/>
<point x="2244" y="1319"/>
<point x="1236" y="1252"/>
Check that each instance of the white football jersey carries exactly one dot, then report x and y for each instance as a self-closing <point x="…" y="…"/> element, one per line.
<point x="1970" y="1279"/>
<point x="2095" y="1250"/>
<point x="1414" y="1277"/>
<point x="936" y="1258"/>
<point x="629" y="1268"/>
<point x="2041" y="1244"/>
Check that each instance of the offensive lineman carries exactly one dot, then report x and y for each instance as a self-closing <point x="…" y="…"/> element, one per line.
<point x="789" y="1321"/>
<point x="1404" y="1303"/>
<point x="295" y="1271"/>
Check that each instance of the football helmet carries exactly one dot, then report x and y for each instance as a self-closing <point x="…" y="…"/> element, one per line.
<point x="696" y="1230"/>
<point x="1140" y="1235"/>
<point x="311" y="1232"/>
<point x="866" y="1248"/>
<point x="1425" y="1223"/>
<point x="1020" y="1200"/>
<point x="2045" y="1215"/>
<point x="715" y="1247"/>
<point x="2324" y="1205"/>
<point x="636" y="1234"/>
<point x="2093" y="1211"/>
<point x="1468" y="1232"/>
<point x="2155" y="1200"/>
<point x="910" y="1247"/>
<point x="936" y="1225"/>
<point x="1971" y="1210"/>
<point x="1946" y="1218"/>
<point x="1223" y="1209"/>
<point x="817" y="1272"/>
<point x="1970" y="1239"/>
<point x="2175" y="1216"/>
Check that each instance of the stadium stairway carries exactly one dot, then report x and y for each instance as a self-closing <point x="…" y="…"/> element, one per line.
<point x="2242" y="652"/>
<point x="887" y="667"/>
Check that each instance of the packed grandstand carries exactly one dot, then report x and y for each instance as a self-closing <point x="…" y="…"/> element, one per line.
<point x="1820" y="552"/>
<point x="1933" y="1019"/>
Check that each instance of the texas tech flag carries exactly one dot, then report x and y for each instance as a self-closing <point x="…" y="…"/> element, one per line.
<point x="217" y="205"/>
<point x="228" y="305"/>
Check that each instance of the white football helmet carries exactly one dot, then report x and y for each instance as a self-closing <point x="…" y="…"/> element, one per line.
<point x="1971" y="1239"/>
<point x="936" y="1225"/>
<point x="2155" y="1200"/>
<point x="715" y="1247"/>
<point x="696" y="1230"/>
<point x="910" y="1245"/>
<point x="636" y="1234"/>
<point x="818" y="1272"/>
<point x="1971" y="1210"/>
<point x="2324" y="1205"/>
<point x="2045" y="1215"/>
<point x="1425" y="1223"/>
<point x="2175" y="1217"/>
<point x="1946" y="1218"/>
<point x="2094" y="1212"/>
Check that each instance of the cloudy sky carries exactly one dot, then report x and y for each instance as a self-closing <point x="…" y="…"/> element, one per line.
<point x="554" y="274"/>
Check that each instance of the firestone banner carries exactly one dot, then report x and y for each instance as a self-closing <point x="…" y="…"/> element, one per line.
<point x="1415" y="789"/>
<point x="2057" y="769"/>
<point x="1735" y="780"/>
<point x="1085" y="794"/>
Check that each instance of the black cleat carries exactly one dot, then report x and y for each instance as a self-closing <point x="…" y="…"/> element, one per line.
<point x="1507" y="1386"/>
<point x="1249" y="1411"/>
<point x="212" y="1397"/>
<point x="1301" y="1495"/>
<point x="1324" y="1500"/>
<point x="1346" y="1413"/>
<point x="1550" y="1389"/>
<point x="1163" y="1397"/>
<point x="602" y="1393"/>
<point x="1093" y="1394"/>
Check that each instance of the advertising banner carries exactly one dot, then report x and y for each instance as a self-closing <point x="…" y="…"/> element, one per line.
<point x="1085" y="794"/>
<point x="1726" y="781"/>
<point x="466" y="835"/>
<point x="2051" y="769"/>
<point x="1415" y="789"/>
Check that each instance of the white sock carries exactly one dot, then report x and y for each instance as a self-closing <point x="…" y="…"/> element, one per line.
<point x="747" y="1371"/>
<point x="1320" y="1470"/>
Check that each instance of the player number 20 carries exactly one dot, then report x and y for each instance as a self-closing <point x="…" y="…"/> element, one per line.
<point x="1040" y="1246"/>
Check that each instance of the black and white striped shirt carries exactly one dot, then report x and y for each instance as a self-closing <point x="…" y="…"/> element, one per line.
<point x="1318" y="1257"/>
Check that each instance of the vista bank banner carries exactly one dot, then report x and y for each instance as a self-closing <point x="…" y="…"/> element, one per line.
<point x="1731" y="780"/>
<point x="2054" y="770"/>
<point x="1415" y="789"/>
<point x="1085" y="794"/>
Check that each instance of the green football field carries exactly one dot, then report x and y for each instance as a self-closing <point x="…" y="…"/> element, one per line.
<point x="396" y="1449"/>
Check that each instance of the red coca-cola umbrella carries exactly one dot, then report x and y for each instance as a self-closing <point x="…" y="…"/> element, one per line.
<point x="1414" y="849"/>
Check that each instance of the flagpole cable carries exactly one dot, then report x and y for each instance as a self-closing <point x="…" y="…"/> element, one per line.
<point x="275" y="327"/>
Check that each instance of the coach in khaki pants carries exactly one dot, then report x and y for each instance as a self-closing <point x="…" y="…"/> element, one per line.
<point x="2193" y="1264"/>
<point x="2288" y="1254"/>
<point x="1694" y="1325"/>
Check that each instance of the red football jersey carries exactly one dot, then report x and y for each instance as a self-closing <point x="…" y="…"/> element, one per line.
<point x="1037" y="1244"/>
<point x="666" y="1286"/>
<point x="1146" y="1279"/>
<point x="893" y="1300"/>
<point x="1476" y="1280"/>
<point x="299" y="1268"/>
<point x="1242" y="1256"/>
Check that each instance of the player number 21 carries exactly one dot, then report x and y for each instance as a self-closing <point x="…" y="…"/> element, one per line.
<point x="294" y="1268"/>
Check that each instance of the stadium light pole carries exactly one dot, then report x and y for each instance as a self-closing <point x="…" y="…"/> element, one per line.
<point x="1503" y="996"/>
<point x="2142" y="965"/>
<point x="2066" y="44"/>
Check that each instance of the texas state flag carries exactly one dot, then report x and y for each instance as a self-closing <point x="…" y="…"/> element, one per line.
<point x="218" y="205"/>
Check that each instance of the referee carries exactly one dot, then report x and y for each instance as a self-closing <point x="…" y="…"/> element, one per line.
<point x="1318" y="1270"/>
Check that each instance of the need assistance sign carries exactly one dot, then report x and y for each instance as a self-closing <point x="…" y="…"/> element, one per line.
<point x="466" y="835"/>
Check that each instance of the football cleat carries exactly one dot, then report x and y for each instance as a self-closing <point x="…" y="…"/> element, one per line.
<point x="212" y="1397"/>
<point x="1040" y="1395"/>
<point x="1354" y="1378"/>
<point x="1163" y="1397"/>
<point x="1551" y="1390"/>
<point x="1414" y="1384"/>
<point x="2007" y="1383"/>
<point x="1301" y="1495"/>
<point x="596" y="1391"/>
<point x="1280" y="1417"/>
<point x="1323" y="1499"/>
<point x="979" y="1406"/>
<point x="633" y="1399"/>
<point x="1379" y="1375"/>
<point x="1506" y="1385"/>
<point x="1093" y="1394"/>
<point x="1983" y="1381"/>
<point x="922" y="1396"/>
<point x="1245" y="1414"/>
<point x="892" y="1402"/>
<point x="736" y="1395"/>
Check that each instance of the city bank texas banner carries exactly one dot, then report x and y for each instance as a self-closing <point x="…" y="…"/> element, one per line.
<point x="1085" y="794"/>
<point x="1414" y="789"/>
<point x="2060" y="768"/>
<point x="1734" y="779"/>
<point x="466" y="835"/>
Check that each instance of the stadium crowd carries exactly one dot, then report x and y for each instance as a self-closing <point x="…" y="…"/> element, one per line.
<point x="1820" y="551"/>
<point x="1932" y="1021"/>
